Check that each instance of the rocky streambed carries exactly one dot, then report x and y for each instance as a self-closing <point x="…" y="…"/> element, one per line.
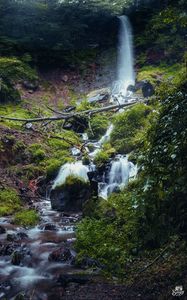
<point x="32" y="260"/>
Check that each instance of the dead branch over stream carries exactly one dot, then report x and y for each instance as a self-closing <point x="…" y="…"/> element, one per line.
<point x="66" y="116"/>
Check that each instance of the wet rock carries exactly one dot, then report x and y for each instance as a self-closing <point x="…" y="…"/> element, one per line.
<point x="2" y="230"/>
<point x="21" y="235"/>
<point x="99" y="95"/>
<point x="61" y="255"/>
<point x="131" y="88"/>
<point x="16" y="258"/>
<point x="147" y="89"/>
<point x="31" y="86"/>
<point x="11" y="237"/>
<point x="50" y="226"/>
<point x="88" y="262"/>
<point x="8" y="249"/>
<point x="66" y="279"/>
<point x="71" y="196"/>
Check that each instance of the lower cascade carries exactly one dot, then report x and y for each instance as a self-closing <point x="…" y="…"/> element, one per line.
<point x="120" y="172"/>
<point x="76" y="169"/>
<point x="113" y="178"/>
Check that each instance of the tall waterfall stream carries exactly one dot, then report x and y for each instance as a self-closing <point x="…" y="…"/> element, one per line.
<point x="27" y="260"/>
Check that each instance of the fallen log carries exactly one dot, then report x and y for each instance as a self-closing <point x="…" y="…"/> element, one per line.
<point x="66" y="116"/>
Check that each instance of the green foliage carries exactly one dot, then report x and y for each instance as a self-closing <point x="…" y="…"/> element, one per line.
<point x="164" y="34"/>
<point x="101" y="158"/>
<point x="129" y="128"/>
<point x="9" y="201"/>
<point x="26" y="218"/>
<point x="11" y="71"/>
<point x="152" y="209"/>
<point x="74" y="184"/>
<point x="53" y="165"/>
<point x="111" y="236"/>
<point x="99" y="124"/>
<point x="38" y="152"/>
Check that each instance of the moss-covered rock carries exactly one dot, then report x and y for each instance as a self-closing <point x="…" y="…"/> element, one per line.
<point x="71" y="195"/>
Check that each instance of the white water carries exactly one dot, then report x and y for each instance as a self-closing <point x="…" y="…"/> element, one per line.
<point x="125" y="69"/>
<point x="77" y="169"/>
<point x="120" y="172"/>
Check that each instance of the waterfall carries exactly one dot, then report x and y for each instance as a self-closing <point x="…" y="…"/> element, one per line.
<point x="125" y="69"/>
<point x="120" y="172"/>
<point x="77" y="169"/>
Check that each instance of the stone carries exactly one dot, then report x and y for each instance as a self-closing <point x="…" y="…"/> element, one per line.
<point x="70" y="197"/>
<point x="61" y="255"/>
<point x="16" y="258"/>
<point x="147" y="89"/>
<point x="50" y="226"/>
<point x="2" y="230"/>
<point x="31" y="86"/>
<point x="99" y="95"/>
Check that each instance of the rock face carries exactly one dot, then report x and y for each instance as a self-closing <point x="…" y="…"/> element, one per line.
<point x="71" y="196"/>
<point x="99" y="95"/>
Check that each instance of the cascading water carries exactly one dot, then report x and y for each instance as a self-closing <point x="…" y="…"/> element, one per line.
<point x="125" y="70"/>
<point x="121" y="169"/>
<point x="76" y="169"/>
<point x="120" y="172"/>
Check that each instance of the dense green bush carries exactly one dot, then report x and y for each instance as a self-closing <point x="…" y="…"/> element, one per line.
<point x="11" y="71"/>
<point x="26" y="218"/>
<point x="99" y="124"/>
<point x="129" y="128"/>
<point x="9" y="201"/>
<point x="152" y="209"/>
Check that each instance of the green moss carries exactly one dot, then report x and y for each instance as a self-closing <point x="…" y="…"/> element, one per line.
<point x="74" y="183"/>
<point x="99" y="124"/>
<point x="26" y="218"/>
<point x="155" y="74"/>
<point x="101" y="159"/>
<point x="130" y="128"/>
<point x="37" y="151"/>
<point x="9" y="201"/>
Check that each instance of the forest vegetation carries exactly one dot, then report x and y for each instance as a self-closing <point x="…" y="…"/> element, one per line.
<point x="50" y="48"/>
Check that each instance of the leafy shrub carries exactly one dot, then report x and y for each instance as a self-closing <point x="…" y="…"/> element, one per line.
<point x="26" y="218"/>
<point x="101" y="158"/>
<point x="128" y="125"/>
<point x="9" y="201"/>
<point x="11" y="71"/>
<point x="99" y="124"/>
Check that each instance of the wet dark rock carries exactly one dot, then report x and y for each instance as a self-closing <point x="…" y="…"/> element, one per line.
<point x="8" y="249"/>
<point x="2" y="230"/>
<point x="16" y="258"/>
<point x="66" y="279"/>
<point x="21" y="235"/>
<point x="88" y="262"/>
<point x="147" y="89"/>
<point x="49" y="226"/>
<point x="32" y="86"/>
<point x="61" y="255"/>
<point x="70" y="197"/>
<point x="131" y="88"/>
<point x="11" y="237"/>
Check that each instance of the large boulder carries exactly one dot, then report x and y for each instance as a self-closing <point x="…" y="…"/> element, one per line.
<point x="99" y="95"/>
<point x="71" y="195"/>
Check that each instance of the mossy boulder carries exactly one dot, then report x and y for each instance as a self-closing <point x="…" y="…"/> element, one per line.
<point x="71" y="195"/>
